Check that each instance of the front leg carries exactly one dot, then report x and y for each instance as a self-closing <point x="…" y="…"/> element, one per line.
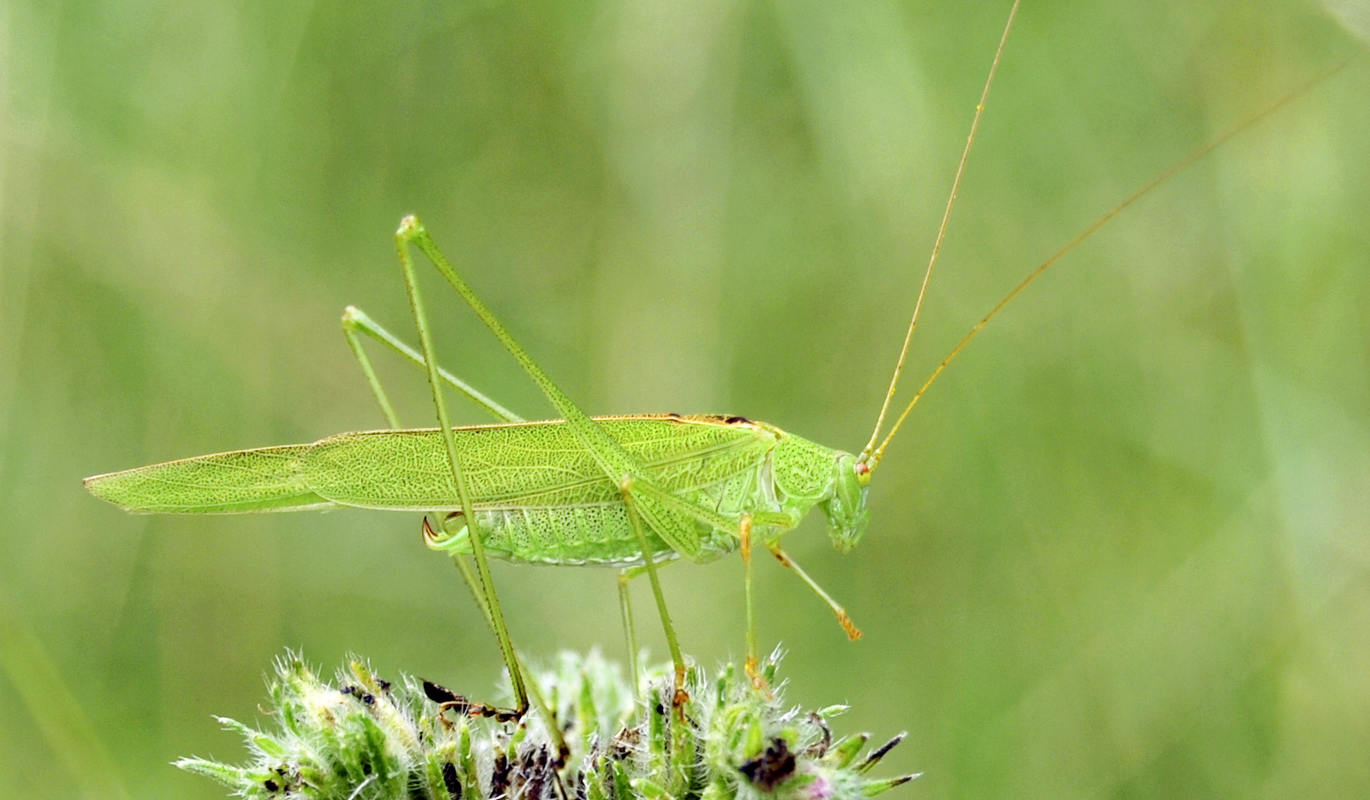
<point x="843" y="618"/>
<point x="782" y="522"/>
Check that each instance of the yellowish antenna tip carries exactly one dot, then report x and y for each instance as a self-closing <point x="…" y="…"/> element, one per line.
<point x="872" y="457"/>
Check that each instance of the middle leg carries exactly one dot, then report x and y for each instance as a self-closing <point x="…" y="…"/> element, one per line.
<point x="843" y="618"/>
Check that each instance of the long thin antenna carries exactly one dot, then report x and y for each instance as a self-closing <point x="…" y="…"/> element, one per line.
<point x="1169" y="173"/>
<point x="941" y="235"/>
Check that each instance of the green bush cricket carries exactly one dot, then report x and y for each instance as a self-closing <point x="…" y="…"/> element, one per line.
<point x="627" y="491"/>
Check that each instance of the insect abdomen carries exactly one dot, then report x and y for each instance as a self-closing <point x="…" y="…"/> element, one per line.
<point x="601" y="533"/>
<point x="567" y="535"/>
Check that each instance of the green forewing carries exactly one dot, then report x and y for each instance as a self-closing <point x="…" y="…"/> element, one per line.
<point x="513" y="465"/>
<point x="265" y="479"/>
<point x="522" y="465"/>
<point x="537" y="491"/>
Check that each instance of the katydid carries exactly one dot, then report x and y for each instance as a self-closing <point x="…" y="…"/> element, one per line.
<point x="630" y="492"/>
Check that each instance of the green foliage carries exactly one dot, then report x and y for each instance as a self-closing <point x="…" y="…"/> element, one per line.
<point x="366" y="737"/>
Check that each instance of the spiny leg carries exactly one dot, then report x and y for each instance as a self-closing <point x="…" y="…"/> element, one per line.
<point x="843" y="619"/>
<point x="744" y="537"/>
<point x="625" y="607"/>
<point x="350" y="326"/>
<point x="482" y="602"/>
<point x="355" y="321"/>
<point x="662" y="504"/>
<point x="782" y="523"/>
<point x="615" y="462"/>
<point x="402" y="239"/>
<point x="625" y="610"/>
<point x="741" y="526"/>
<point x="658" y="500"/>
<point x="680" y="697"/>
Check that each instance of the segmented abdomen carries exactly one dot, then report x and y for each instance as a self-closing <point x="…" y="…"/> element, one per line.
<point x="601" y="533"/>
<point x="585" y="534"/>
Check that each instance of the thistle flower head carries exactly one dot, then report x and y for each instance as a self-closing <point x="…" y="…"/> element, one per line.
<point x="362" y="737"/>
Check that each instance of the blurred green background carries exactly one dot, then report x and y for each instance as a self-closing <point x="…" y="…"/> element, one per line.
<point x="1120" y="551"/>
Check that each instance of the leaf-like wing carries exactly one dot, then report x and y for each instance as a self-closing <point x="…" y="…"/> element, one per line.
<point x="241" y="481"/>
